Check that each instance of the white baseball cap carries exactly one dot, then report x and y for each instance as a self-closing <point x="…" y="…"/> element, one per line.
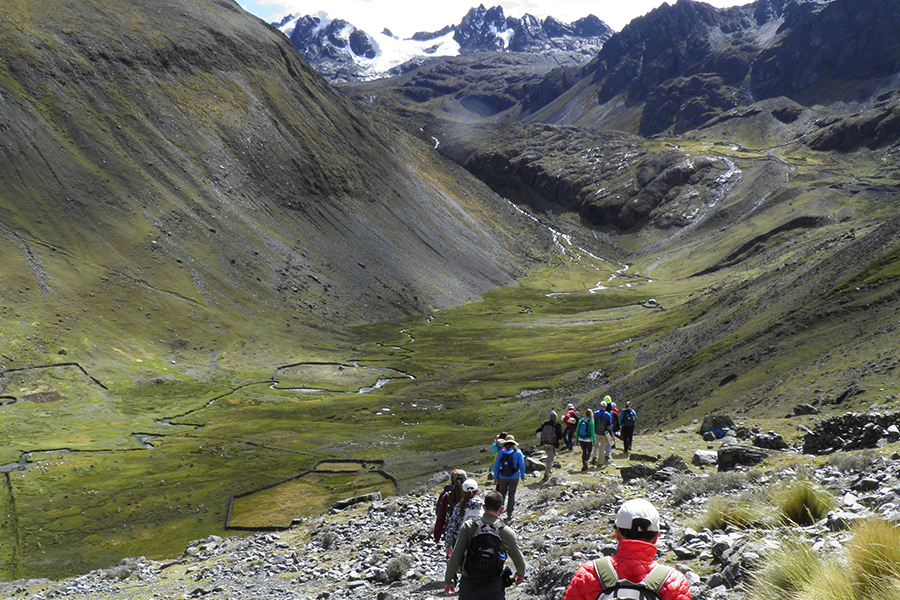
<point x="470" y="485"/>
<point x="637" y="508"/>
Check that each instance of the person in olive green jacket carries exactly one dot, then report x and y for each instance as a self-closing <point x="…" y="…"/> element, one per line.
<point x="492" y="588"/>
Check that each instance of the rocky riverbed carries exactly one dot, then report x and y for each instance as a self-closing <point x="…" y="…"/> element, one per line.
<point x="382" y="548"/>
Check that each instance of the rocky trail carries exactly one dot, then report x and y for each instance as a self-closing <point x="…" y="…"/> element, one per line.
<point x="373" y="547"/>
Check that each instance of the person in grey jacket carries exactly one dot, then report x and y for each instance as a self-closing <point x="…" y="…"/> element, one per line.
<point x="492" y="589"/>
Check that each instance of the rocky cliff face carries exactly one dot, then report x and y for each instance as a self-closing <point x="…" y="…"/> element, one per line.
<point x="686" y="63"/>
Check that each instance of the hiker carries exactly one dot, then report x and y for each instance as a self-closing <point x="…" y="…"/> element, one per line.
<point x="570" y="419"/>
<point x="551" y="433"/>
<point x="498" y="443"/>
<point x="614" y="413"/>
<point x="482" y="546"/>
<point x="509" y="468"/>
<point x="634" y="563"/>
<point x="627" y="419"/>
<point x="586" y="438"/>
<point x="603" y="426"/>
<point x="448" y="498"/>
<point x="469" y="507"/>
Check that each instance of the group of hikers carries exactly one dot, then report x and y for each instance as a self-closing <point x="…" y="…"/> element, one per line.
<point x="477" y="543"/>
<point x="607" y="422"/>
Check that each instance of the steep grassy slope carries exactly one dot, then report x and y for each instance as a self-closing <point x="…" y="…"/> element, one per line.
<point x="174" y="158"/>
<point x="184" y="207"/>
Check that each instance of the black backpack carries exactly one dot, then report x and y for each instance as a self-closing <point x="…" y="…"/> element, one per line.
<point x="548" y="435"/>
<point x="613" y="587"/>
<point x="628" y="417"/>
<point x="485" y="556"/>
<point x="507" y="464"/>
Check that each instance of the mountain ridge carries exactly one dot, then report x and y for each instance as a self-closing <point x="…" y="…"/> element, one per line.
<point x="342" y="52"/>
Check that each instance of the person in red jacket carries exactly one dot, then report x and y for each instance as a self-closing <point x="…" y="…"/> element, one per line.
<point x="637" y="530"/>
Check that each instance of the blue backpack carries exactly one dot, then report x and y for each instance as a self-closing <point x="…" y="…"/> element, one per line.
<point x="583" y="428"/>
<point x="628" y="417"/>
<point x="507" y="464"/>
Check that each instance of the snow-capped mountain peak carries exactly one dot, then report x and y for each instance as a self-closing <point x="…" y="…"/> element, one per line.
<point x="342" y="52"/>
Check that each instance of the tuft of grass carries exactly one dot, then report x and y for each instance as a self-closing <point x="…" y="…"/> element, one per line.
<point x="874" y="557"/>
<point x="869" y="571"/>
<point x="786" y="573"/>
<point x="801" y="502"/>
<point x="722" y="513"/>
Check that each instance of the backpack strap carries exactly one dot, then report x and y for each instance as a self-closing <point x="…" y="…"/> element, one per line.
<point x="605" y="572"/>
<point x="657" y="577"/>
<point x="608" y="577"/>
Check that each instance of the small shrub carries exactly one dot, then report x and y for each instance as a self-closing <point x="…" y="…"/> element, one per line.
<point x="861" y="461"/>
<point x="724" y="512"/>
<point x="327" y="539"/>
<point x="558" y="552"/>
<point x="398" y="566"/>
<point x="802" y="503"/>
<point x="547" y="496"/>
<point x="688" y="487"/>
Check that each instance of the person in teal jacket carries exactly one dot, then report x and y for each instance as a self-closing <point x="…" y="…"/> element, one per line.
<point x="509" y="468"/>
<point x="585" y="436"/>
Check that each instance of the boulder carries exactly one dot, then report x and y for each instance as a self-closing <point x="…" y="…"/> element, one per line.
<point x="705" y="458"/>
<point x="805" y="409"/>
<point x="675" y="462"/>
<point x="716" y="422"/>
<point x="637" y="471"/>
<point x="770" y="441"/>
<point x="342" y="504"/>
<point x="735" y="455"/>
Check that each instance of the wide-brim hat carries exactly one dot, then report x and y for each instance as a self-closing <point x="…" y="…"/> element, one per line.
<point x="510" y="440"/>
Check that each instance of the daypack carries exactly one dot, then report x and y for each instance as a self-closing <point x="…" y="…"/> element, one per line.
<point x="508" y="464"/>
<point x="628" y="417"/>
<point x="583" y="428"/>
<point x="613" y="587"/>
<point x="485" y="556"/>
<point x="548" y="435"/>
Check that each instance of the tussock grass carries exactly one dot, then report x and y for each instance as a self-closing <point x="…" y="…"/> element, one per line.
<point x="786" y="573"/>
<point x="874" y="557"/>
<point x="798" y="502"/>
<point x="722" y="513"/>
<point x="869" y="571"/>
<point x="801" y="502"/>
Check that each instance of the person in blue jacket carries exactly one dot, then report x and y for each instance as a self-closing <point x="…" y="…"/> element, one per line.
<point x="603" y="426"/>
<point x="509" y="468"/>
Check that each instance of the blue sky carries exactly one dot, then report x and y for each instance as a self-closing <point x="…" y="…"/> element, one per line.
<point x="405" y="17"/>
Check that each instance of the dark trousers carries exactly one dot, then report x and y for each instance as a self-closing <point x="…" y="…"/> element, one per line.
<point x="586" y="449"/>
<point x="492" y="590"/>
<point x="627" y="437"/>
<point x="507" y="487"/>
<point x="569" y="437"/>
